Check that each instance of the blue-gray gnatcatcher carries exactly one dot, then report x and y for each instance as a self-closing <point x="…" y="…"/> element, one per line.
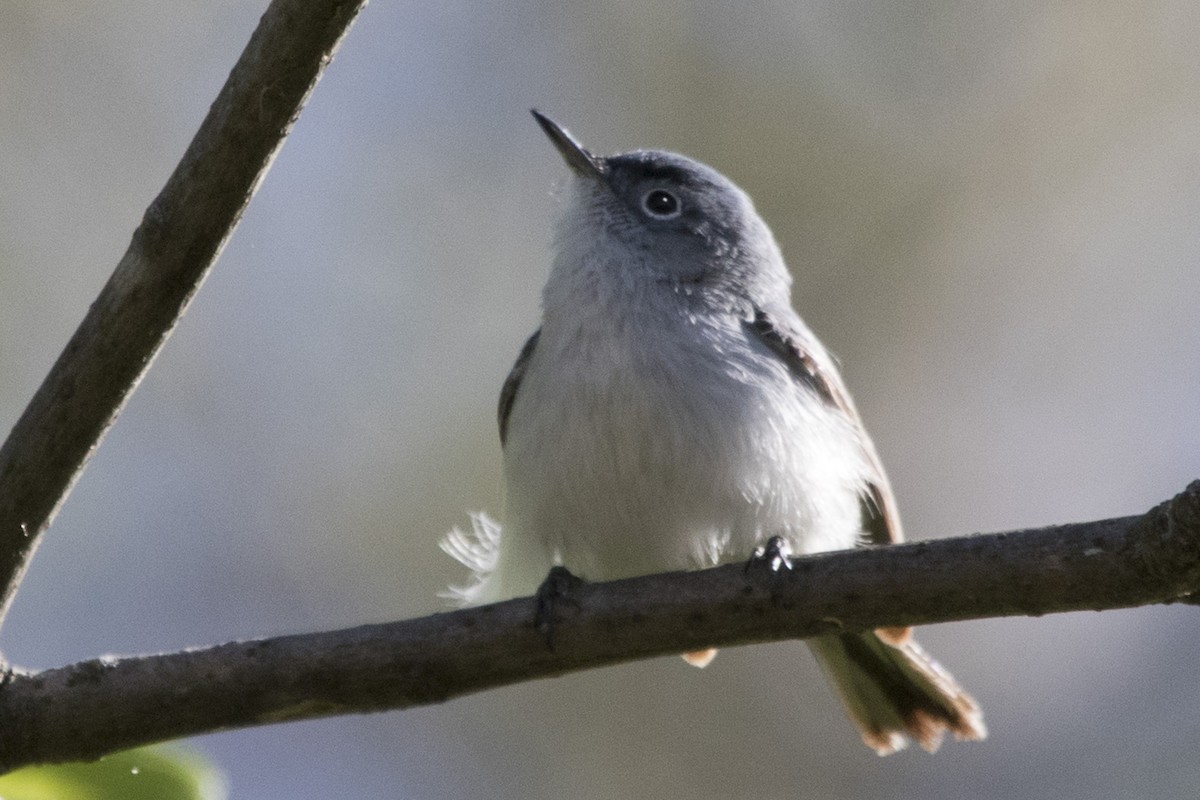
<point x="674" y="412"/>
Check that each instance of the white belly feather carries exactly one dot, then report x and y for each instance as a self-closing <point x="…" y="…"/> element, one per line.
<point x="612" y="469"/>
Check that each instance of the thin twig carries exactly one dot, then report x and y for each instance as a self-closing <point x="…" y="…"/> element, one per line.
<point x="95" y="707"/>
<point x="180" y="237"/>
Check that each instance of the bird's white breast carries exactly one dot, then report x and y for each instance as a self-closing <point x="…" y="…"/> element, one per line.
<point x="645" y="439"/>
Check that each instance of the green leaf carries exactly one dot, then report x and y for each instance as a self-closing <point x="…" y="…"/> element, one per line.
<point x="148" y="773"/>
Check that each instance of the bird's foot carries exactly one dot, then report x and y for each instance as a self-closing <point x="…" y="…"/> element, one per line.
<point x="774" y="555"/>
<point x="554" y="592"/>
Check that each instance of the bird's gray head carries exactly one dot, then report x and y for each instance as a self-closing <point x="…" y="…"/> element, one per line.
<point x="659" y="218"/>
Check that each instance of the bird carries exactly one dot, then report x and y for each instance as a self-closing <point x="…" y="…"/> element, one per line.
<point x="673" y="411"/>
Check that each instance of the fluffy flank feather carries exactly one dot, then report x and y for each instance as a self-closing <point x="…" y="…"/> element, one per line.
<point x="478" y="550"/>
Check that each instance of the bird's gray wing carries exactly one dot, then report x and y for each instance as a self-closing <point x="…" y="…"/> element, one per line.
<point x="814" y="368"/>
<point x="508" y="393"/>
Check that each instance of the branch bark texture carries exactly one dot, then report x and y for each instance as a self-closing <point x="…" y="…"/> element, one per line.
<point x="180" y="237"/>
<point x="95" y="707"/>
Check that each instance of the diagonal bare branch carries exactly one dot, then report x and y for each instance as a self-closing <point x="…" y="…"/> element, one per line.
<point x="95" y="707"/>
<point x="180" y="237"/>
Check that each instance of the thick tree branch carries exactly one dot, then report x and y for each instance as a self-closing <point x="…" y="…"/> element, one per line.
<point x="95" y="707"/>
<point x="180" y="237"/>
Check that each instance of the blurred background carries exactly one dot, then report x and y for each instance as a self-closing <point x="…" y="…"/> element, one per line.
<point x="992" y="213"/>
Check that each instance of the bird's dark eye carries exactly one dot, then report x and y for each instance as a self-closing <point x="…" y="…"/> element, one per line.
<point x="661" y="204"/>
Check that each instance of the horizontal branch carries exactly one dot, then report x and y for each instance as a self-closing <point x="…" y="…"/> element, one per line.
<point x="172" y="250"/>
<point x="95" y="707"/>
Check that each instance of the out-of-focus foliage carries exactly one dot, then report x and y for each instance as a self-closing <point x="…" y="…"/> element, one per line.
<point x="148" y="773"/>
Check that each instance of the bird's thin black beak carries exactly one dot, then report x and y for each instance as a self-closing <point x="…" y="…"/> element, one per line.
<point x="575" y="154"/>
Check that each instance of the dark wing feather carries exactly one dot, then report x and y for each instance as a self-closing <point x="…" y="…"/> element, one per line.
<point x="508" y="393"/>
<point x="799" y="360"/>
<point x="881" y="520"/>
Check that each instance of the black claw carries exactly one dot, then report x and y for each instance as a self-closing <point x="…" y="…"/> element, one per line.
<point x="775" y="555"/>
<point x="554" y="592"/>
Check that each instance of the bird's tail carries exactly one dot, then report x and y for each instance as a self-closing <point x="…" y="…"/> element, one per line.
<point x="895" y="692"/>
